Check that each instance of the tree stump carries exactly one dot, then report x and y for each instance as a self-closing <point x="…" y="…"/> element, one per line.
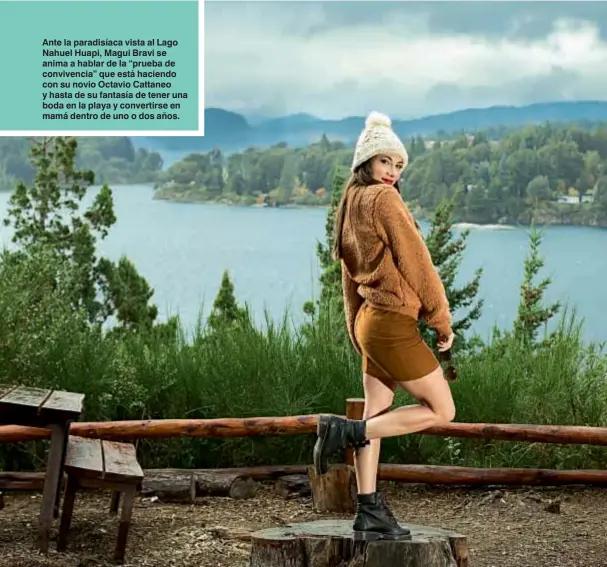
<point x="327" y="543"/>
<point x="334" y="492"/>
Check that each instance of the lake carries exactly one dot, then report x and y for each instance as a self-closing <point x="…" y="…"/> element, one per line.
<point x="183" y="249"/>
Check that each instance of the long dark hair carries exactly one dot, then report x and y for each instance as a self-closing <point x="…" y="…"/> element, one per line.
<point x="361" y="177"/>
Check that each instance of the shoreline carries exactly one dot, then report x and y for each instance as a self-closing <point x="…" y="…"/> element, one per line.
<point x="420" y="214"/>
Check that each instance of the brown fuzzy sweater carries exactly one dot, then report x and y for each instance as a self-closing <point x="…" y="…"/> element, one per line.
<point x="386" y="261"/>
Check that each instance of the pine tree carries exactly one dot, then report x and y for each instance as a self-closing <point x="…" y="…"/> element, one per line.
<point x="226" y="313"/>
<point x="447" y="253"/>
<point x="330" y="277"/>
<point x="46" y="215"/>
<point x="532" y="313"/>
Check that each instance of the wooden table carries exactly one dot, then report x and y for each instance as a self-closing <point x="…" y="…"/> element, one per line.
<point x="52" y="409"/>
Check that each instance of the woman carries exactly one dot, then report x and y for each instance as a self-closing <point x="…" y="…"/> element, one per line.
<point x="389" y="282"/>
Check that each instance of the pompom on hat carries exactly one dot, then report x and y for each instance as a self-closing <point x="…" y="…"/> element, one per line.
<point x="377" y="138"/>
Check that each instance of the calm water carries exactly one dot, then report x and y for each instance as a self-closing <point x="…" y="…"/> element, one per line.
<point x="182" y="249"/>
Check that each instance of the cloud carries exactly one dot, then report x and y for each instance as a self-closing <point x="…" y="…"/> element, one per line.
<point x="335" y="59"/>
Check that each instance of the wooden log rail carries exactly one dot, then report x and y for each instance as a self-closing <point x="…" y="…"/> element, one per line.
<point x="299" y="425"/>
<point x="167" y="428"/>
<point x="306" y="424"/>
<point x="424" y="474"/>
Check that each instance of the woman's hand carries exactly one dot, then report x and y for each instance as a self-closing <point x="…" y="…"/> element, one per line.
<point x="444" y="343"/>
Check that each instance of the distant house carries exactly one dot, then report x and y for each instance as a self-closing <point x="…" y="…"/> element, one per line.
<point x="569" y="199"/>
<point x="575" y="199"/>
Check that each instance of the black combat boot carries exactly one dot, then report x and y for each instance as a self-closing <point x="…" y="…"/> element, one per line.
<point x="335" y="433"/>
<point x="374" y="520"/>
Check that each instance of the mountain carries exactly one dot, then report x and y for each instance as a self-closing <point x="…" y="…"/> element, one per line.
<point x="231" y="132"/>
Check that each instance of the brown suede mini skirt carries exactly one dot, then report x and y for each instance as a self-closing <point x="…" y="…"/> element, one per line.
<point x="392" y="345"/>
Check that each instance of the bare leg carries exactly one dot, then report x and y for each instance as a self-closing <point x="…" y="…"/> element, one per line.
<point x="436" y="408"/>
<point x="379" y="396"/>
<point x="374" y="520"/>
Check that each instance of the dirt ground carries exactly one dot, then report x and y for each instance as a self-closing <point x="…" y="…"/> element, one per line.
<point x="519" y="527"/>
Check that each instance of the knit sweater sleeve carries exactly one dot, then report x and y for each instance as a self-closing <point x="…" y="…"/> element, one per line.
<point x="352" y="303"/>
<point x="397" y="228"/>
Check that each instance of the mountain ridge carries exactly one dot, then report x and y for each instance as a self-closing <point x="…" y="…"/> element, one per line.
<point x="231" y="131"/>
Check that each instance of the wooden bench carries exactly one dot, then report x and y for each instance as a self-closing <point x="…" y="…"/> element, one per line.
<point x="52" y="409"/>
<point x="93" y="463"/>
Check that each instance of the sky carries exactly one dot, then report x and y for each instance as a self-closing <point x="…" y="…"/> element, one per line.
<point x="407" y="59"/>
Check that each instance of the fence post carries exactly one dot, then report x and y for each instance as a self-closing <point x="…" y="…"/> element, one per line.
<point x="335" y="492"/>
<point x="354" y="410"/>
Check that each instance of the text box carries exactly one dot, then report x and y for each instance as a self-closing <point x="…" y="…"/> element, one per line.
<point x="102" y="68"/>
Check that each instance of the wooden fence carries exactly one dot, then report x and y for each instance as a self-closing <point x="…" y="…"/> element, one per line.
<point x="306" y="424"/>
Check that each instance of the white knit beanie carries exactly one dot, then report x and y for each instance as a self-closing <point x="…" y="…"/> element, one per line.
<point x="377" y="138"/>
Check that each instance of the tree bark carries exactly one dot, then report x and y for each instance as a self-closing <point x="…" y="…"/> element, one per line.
<point x="234" y="485"/>
<point x="334" y="492"/>
<point x="175" y="486"/>
<point x="168" y="428"/>
<point x="327" y="543"/>
<point x="270" y="472"/>
<point x="425" y="474"/>
<point x="187" y="484"/>
<point x="300" y="425"/>
<point x="437" y="474"/>
<point x="22" y="481"/>
<point x="292" y="485"/>
<point x="434" y="474"/>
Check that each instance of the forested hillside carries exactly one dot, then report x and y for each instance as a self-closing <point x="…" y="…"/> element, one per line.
<point x="555" y="174"/>
<point x="113" y="160"/>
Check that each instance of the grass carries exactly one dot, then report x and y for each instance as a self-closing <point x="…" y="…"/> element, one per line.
<point x="275" y="371"/>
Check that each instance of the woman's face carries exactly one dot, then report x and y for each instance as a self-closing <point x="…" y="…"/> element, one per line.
<point x="387" y="168"/>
